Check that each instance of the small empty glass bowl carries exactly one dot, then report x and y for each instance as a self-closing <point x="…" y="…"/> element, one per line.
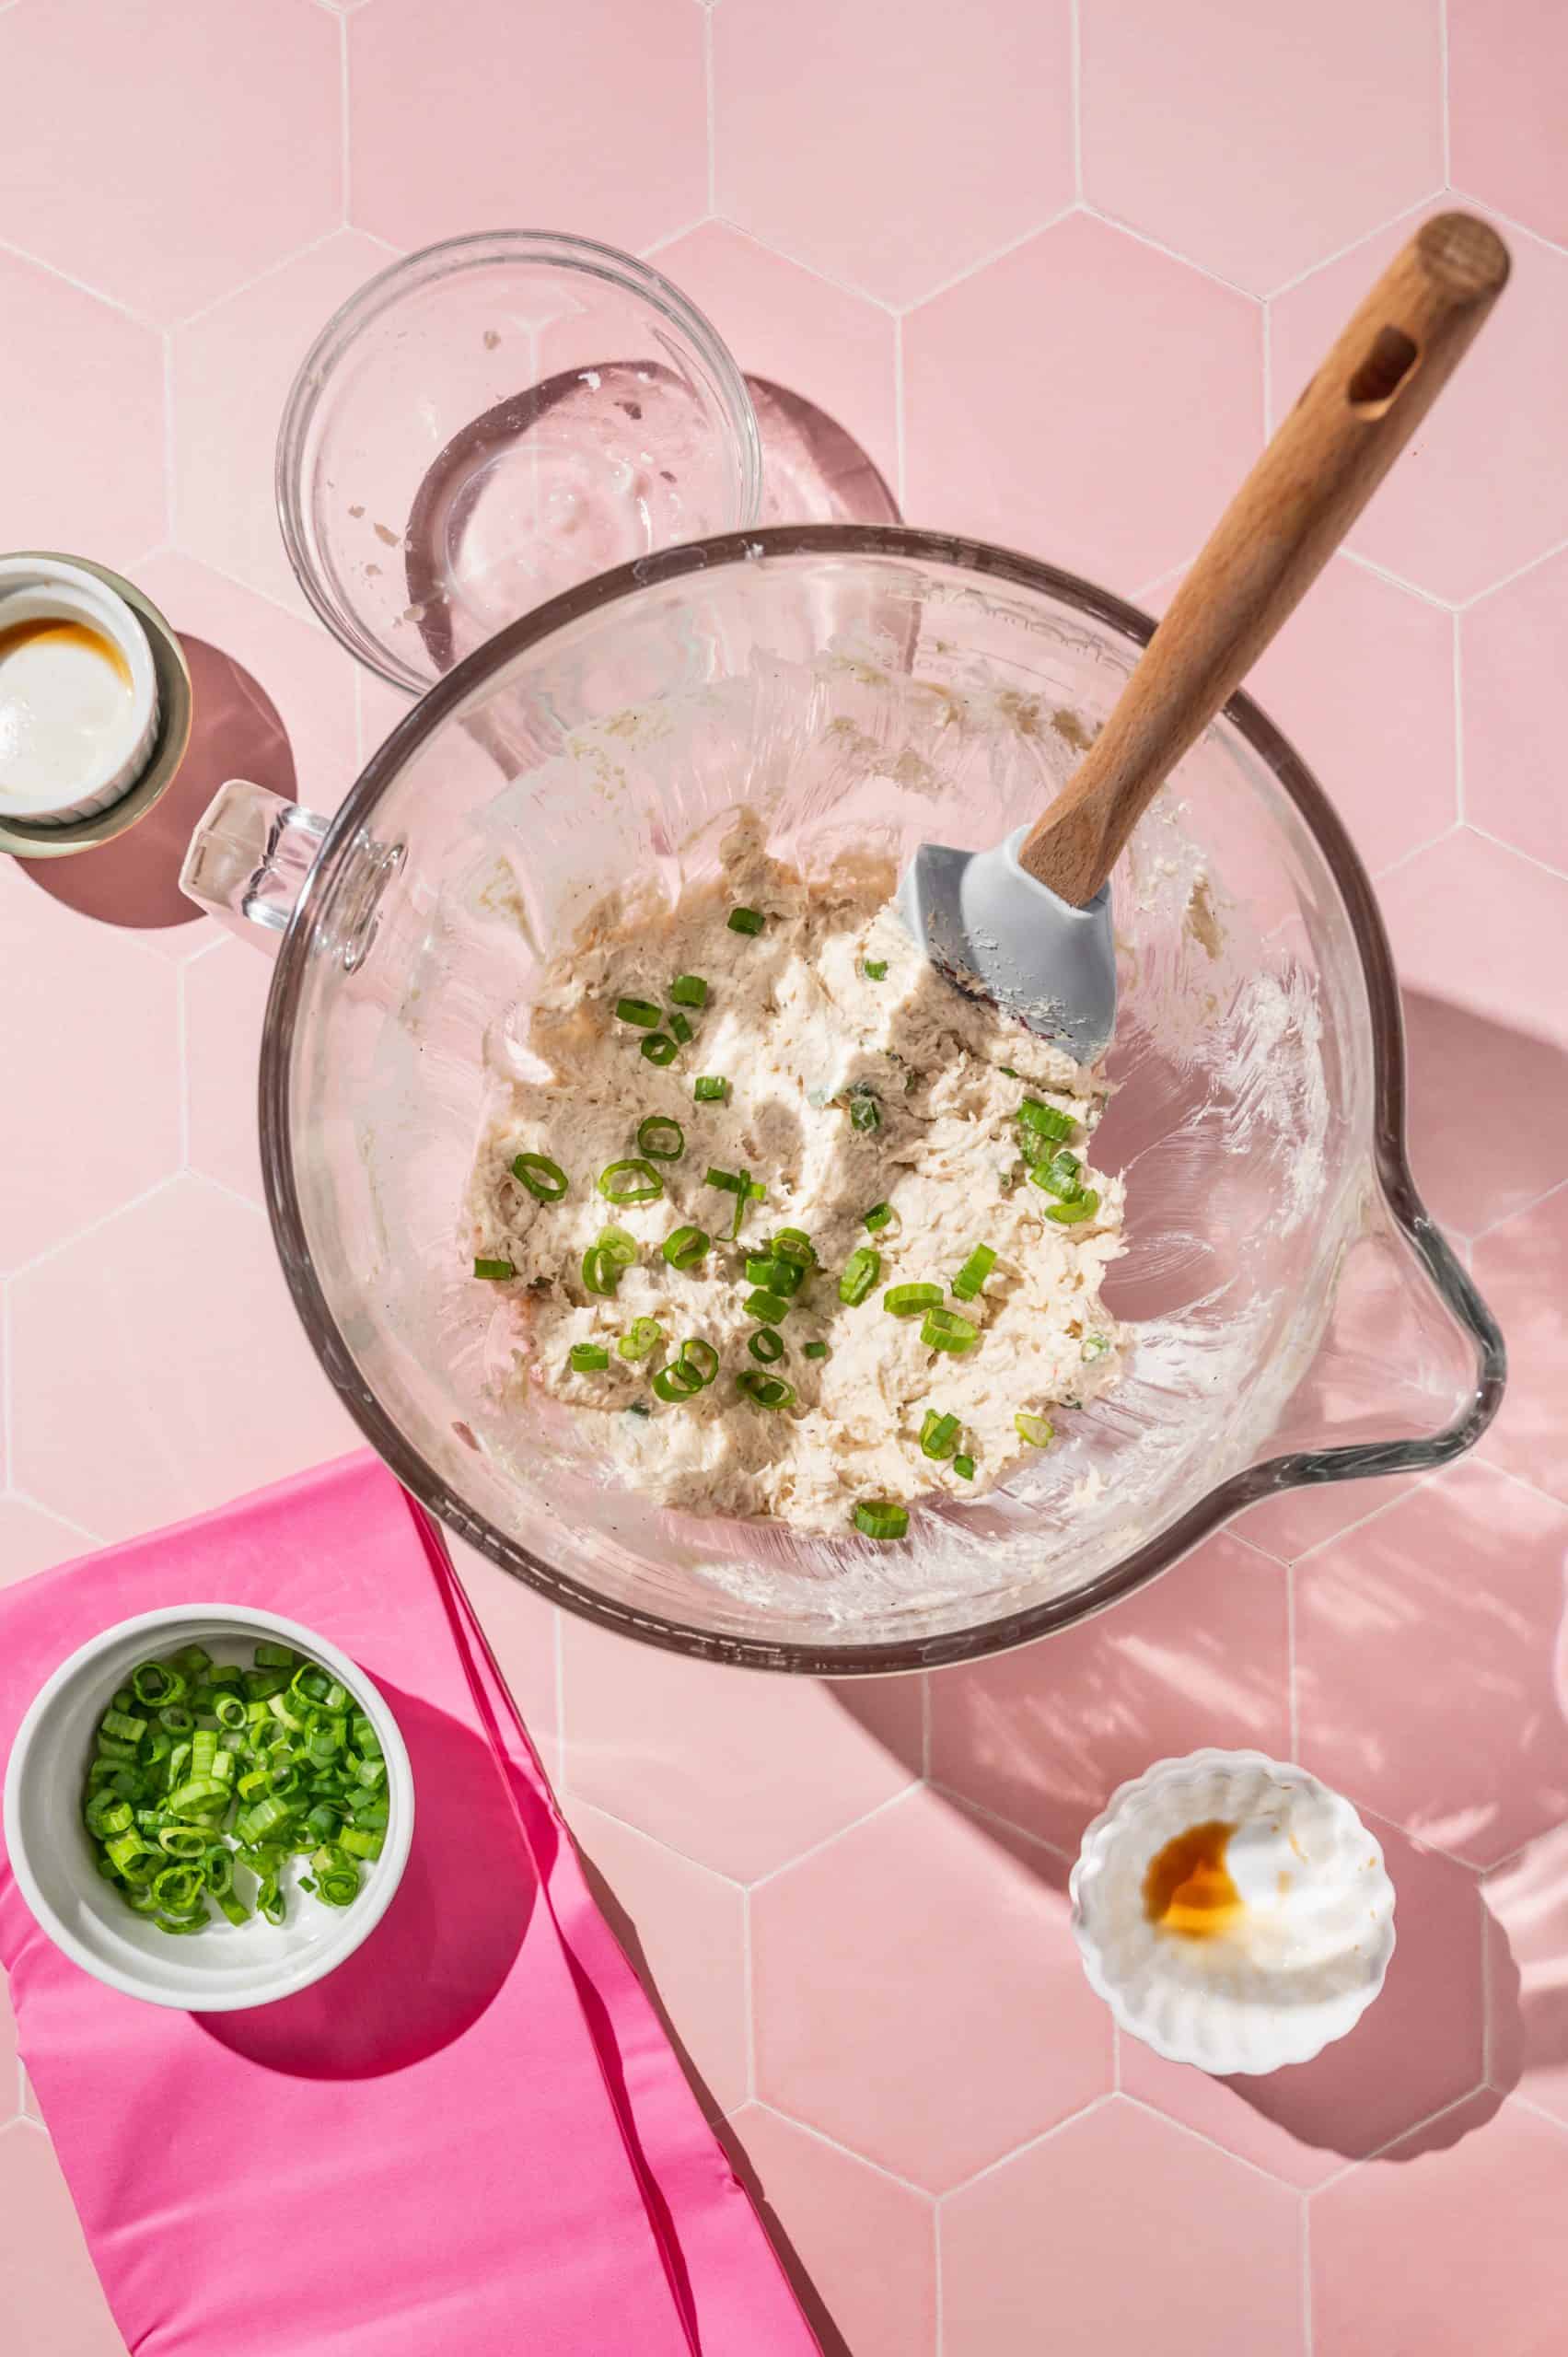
<point x="492" y="421"/>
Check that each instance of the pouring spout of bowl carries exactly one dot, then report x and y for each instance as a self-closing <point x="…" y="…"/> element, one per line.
<point x="1410" y="1370"/>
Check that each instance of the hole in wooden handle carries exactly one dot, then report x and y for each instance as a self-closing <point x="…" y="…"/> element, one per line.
<point x="1384" y="369"/>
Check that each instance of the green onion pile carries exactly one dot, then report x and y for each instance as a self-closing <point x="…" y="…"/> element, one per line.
<point x="204" y="1773"/>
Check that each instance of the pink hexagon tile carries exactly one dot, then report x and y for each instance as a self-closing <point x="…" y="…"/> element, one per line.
<point x="923" y="154"/>
<point x="231" y="1398"/>
<point x="962" y="1933"/>
<point x="82" y="469"/>
<point x="1481" y="491"/>
<point x="1113" y="456"/>
<point x="684" y="1929"/>
<point x="1420" y="2047"/>
<point x="1516" y="711"/>
<point x="276" y="694"/>
<point x="1119" y="2233"/>
<point x="738" y="1771"/>
<point x="1508" y="70"/>
<point x="1428" y="1663"/>
<point x="1522" y="1268"/>
<point x="1042" y="1735"/>
<point x="112" y="174"/>
<point x="795" y="329"/>
<point x="1447" y="2244"/>
<point x="231" y="372"/>
<point x="1478" y="935"/>
<point x="521" y="1629"/>
<point x="10" y="2061"/>
<point x="441" y="139"/>
<point x="1361" y="679"/>
<point x="31" y="1541"/>
<point x="42" y="2245"/>
<point x="89" y="1070"/>
<point x="1526" y="1902"/>
<point x="226" y="996"/>
<point x="860" y="2249"/>
<point x="1345" y="151"/>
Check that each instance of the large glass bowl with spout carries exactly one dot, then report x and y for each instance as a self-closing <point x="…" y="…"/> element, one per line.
<point x="1297" y="1318"/>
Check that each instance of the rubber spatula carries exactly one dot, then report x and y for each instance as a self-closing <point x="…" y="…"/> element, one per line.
<point x="1029" y="924"/>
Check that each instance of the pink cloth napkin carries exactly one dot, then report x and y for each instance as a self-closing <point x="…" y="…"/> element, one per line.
<point x="473" y="2139"/>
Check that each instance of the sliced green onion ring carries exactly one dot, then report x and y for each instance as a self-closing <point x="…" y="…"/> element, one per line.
<point x="630" y="1181"/>
<point x="766" y="1390"/>
<point x="1038" y="1431"/>
<point x="944" y="1329"/>
<point x="588" y="1358"/>
<point x="938" y="1434"/>
<point x="746" y="920"/>
<point x="859" y="1273"/>
<point x="688" y="990"/>
<point x="685" y="1247"/>
<point x="908" y="1301"/>
<point x="974" y="1272"/>
<point x="767" y="1344"/>
<point x="879" y="1518"/>
<point x="640" y="1012"/>
<point x="1074" y="1210"/>
<point x="661" y="1138"/>
<point x="708" y="1088"/>
<point x="660" y="1049"/>
<point x="642" y="1336"/>
<point x="544" y="1178"/>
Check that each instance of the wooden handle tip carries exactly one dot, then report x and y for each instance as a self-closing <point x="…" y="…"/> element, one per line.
<point x="1465" y="253"/>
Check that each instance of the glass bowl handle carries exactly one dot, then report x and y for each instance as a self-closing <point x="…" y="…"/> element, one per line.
<point x="247" y="860"/>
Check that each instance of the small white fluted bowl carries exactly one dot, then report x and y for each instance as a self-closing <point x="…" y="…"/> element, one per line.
<point x="1244" y="2003"/>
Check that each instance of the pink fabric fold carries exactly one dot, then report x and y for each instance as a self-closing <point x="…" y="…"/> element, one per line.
<point x="472" y="2139"/>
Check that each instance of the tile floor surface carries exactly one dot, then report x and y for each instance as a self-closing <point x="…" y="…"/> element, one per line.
<point x="1057" y="273"/>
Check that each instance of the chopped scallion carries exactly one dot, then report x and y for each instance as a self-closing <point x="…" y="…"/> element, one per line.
<point x="908" y="1301"/>
<point x="865" y="1112"/>
<point x="686" y="1247"/>
<point x="630" y="1181"/>
<point x="660" y="1050"/>
<point x="1075" y="1209"/>
<point x="679" y="1029"/>
<point x="1039" y="1430"/>
<point x="964" y="1468"/>
<point x="643" y="1335"/>
<point x="1096" y="1346"/>
<point x="938" y="1434"/>
<point x="746" y="920"/>
<point x="642" y="1011"/>
<point x="877" y="967"/>
<point x="1044" y="1119"/>
<point x="879" y="1518"/>
<point x="767" y="1344"/>
<point x="542" y="1178"/>
<point x="688" y="990"/>
<point x="944" y="1329"/>
<point x="766" y="1390"/>
<point x="1059" y="1175"/>
<point x="661" y="1137"/>
<point x="860" y="1272"/>
<point x="588" y="1358"/>
<point x="708" y="1088"/>
<point x="815" y="1351"/>
<point x="878" y="1216"/>
<point x="498" y="1271"/>
<point x="769" y="1307"/>
<point x="974" y="1272"/>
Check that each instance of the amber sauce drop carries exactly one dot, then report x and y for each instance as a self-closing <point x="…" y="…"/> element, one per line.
<point x="66" y="633"/>
<point x="1188" y="1889"/>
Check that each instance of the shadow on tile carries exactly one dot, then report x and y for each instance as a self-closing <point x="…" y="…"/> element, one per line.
<point x="235" y="731"/>
<point x="832" y="2339"/>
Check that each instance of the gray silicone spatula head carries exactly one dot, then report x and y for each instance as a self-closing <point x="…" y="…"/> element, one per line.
<point x="993" y="928"/>
<point x="1027" y="923"/>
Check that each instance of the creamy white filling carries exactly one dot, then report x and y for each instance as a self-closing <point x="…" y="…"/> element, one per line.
<point x="798" y="1028"/>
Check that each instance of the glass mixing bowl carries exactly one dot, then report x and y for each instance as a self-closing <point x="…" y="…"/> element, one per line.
<point x="491" y="420"/>
<point x="1298" y="1318"/>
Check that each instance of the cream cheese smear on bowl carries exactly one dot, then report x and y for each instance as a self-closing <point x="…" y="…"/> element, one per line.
<point x="809" y="1232"/>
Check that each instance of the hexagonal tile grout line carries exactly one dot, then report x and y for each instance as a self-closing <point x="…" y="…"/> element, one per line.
<point x="344" y="160"/>
<point x="1527" y="2103"/>
<point x="905" y="2185"/>
<point x="1033" y="2144"/>
<point x="1506" y="580"/>
<point x="1520" y="228"/>
<point x="955" y="1799"/>
<point x="1523" y="1210"/>
<point x="96" y="294"/>
<point x="1156" y="245"/>
<point x="973" y="269"/>
<point x="709" y="95"/>
<point x="1444" y="116"/>
<point x="1362" y="237"/>
<point x="51" y="1513"/>
<point x="1530" y="858"/>
<point x="1338" y="2177"/>
<point x="80" y="1235"/>
<point x="829" y="1841"/>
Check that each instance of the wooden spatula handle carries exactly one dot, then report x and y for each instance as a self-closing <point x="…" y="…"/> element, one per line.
<point x="1274" y="540"/>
